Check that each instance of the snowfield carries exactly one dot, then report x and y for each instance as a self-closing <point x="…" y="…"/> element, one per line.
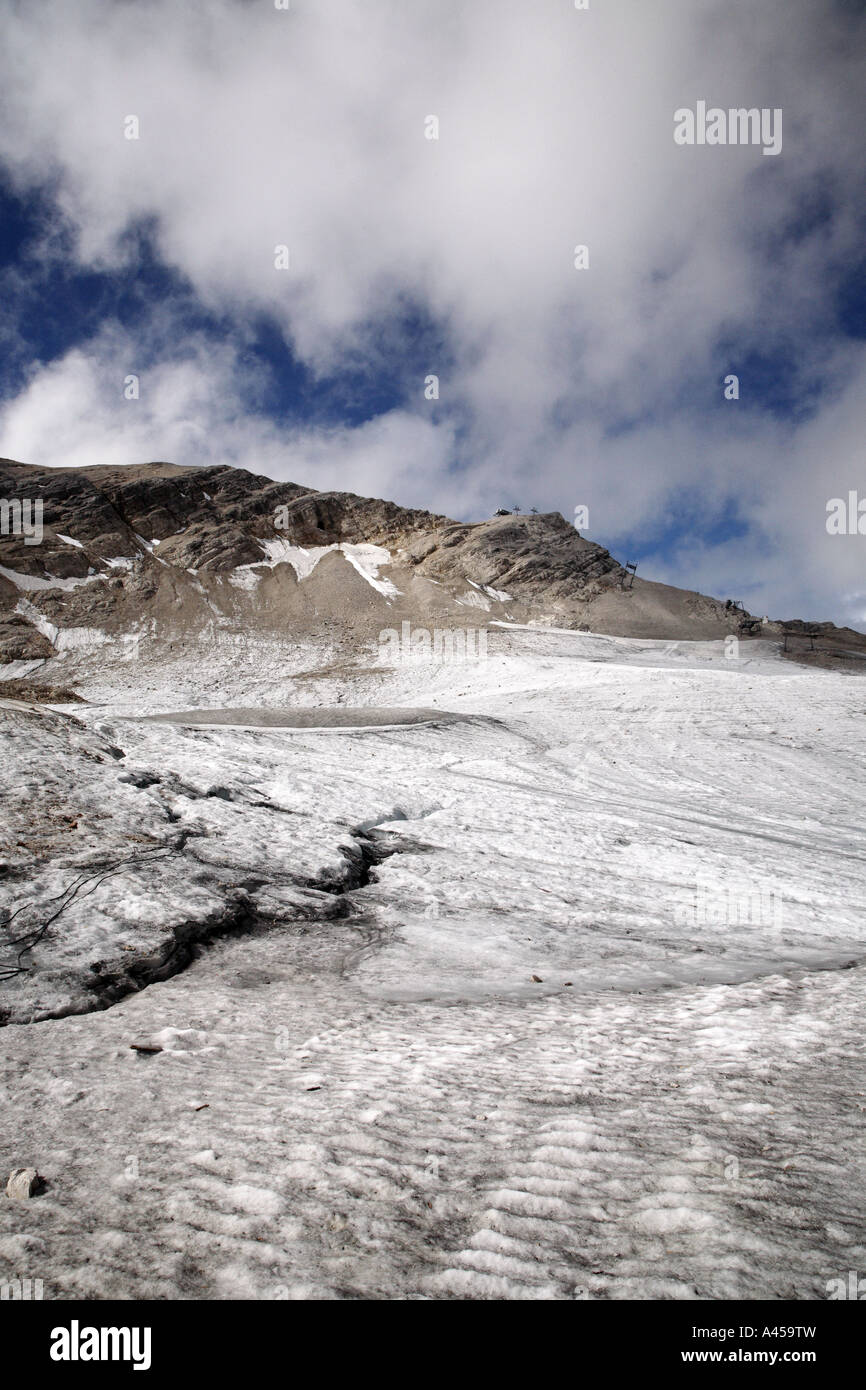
<point x="561" y="999"/>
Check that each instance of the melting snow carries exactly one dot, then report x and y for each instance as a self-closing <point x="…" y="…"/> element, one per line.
<point x="366" y="559"/>
<point x="62" y="639"/>
<point x="530" y="1062"/>
<point x="29" y="583"/>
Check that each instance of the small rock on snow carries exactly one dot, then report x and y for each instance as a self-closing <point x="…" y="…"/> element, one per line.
<point x="23" y="1183"/>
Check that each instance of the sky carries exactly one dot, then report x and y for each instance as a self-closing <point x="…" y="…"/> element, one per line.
<point x="559" y="385"/>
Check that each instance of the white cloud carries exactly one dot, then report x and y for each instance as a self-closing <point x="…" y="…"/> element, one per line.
<point x="74" y="413"/>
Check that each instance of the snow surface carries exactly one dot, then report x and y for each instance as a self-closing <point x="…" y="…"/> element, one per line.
<point x="62" y="639"/>
<point x="366" y="559"/>
<point x="368" y="1094"/>
<point x="31" y="583"/>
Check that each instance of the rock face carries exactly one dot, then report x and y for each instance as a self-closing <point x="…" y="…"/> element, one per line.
<point x="110" y="511"/>
<point x="19" y="641"/>
<point x="161" y="553"/>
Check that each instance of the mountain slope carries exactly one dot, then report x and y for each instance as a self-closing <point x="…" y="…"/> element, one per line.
<point x="159" y="552"/>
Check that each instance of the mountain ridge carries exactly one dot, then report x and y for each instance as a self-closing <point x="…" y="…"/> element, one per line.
<point x="165" y="551"/>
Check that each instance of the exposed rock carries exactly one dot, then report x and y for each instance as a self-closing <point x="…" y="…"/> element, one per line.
<point x="168" y="554"/>
<point x="23" y="1183"/>
<point x="19" y="641"/>
<point x="38" y="694"/>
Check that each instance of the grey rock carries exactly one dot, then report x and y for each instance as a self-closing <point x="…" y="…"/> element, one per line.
<point x="22" y="1184"/>
<point x="210" y="521"/>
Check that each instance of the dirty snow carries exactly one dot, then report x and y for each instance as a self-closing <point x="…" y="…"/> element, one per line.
<point x="32" y="583"/>
<point x="592" y="1030"/>
<point x="62" y="639"/>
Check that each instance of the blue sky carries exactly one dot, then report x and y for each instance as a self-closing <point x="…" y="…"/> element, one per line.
<point x="55" y="306"/>
<point x="557" y="386"/>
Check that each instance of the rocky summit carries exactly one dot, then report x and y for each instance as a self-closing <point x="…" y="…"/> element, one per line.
<point x="179" y="565"/>
<point x="160" y="553"/>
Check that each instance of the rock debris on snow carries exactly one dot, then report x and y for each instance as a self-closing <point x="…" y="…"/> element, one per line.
<point x="337" y="934"/>
<point x="23" y="1183"/>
